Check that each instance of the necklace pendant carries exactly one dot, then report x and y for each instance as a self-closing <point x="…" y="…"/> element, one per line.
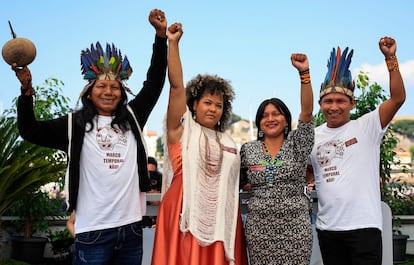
<point x="270" y="180"/>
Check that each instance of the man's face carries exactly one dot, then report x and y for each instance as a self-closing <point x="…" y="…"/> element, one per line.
<point x="336" y="108"/>
<point x="105" y="96"/>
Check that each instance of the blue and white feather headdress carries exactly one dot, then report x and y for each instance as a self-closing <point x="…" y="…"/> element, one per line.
<point x="338" y="78"/>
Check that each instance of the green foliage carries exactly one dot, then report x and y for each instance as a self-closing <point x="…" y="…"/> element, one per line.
<point x="61" y="240"/>
<point x="399" y="196"/>
<point x="33" y="209"/>
<point x="160" y="146"/>
<point x="50" y="103"/>
<point x="412" y="152"/>
<point x="12" y="262"/>
<point x="388" y="157"/>
<point x="372" y="95"/>
<point x="405" y="127"/>
<point x="234" y="118"/>
<point x="24" y="167"/>
<point x="319" y="118"/>
<point x="401" y="199"/>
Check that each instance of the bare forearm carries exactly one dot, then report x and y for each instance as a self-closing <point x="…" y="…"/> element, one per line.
<point x="306" y="102"/>
<point x="390" y="107"/>
<point x="397" y="90"/>
<point x="301" y="63"/>
<point x="175" y="71"/>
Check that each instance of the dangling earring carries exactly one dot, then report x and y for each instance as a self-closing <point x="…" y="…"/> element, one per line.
<point x="218" y="123"/>
<point x="194" y="116"/>
<point x="286" y="131"/>
<point x="260" y="134"/>
<point x="89" y="96"/>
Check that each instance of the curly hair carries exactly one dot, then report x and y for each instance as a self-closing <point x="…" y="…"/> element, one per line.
<point x="202" y="84"/>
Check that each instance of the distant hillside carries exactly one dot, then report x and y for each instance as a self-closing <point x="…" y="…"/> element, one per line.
<point x="404" y="126"/>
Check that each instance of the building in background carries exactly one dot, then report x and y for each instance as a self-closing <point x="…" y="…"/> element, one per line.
<point x="404" y="171"/>
<point x="150" y="138"/>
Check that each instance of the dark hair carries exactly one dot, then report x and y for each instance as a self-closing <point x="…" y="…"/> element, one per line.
<point x="153" y="161"/>
<point x="88" y="110"/>
<point x="212" y="84"/>
<point x="281" y="107"/>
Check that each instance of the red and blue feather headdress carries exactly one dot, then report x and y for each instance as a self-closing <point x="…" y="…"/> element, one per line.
<point x="338" y="78"/>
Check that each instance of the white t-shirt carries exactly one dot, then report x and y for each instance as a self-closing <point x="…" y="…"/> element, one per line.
<point x="346" y="167"/>
<point x="109" y="193"/>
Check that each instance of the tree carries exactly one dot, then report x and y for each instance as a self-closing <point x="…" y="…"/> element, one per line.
<point x="405" y="127"/>
<point x="24" y="167"/>
<point x="412" y="152"/>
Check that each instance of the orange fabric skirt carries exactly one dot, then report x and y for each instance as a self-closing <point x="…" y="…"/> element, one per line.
<point x="171" y="246"/>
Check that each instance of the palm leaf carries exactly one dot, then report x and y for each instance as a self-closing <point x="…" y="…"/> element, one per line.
<point x="23" y="165"/>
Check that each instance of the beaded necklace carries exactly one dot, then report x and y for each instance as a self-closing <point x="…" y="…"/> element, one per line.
<point x="211" y="153"/>
<point x="271" y="164"/>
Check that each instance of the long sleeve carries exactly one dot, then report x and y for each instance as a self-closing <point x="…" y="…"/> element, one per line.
<point x="146" y="99"/>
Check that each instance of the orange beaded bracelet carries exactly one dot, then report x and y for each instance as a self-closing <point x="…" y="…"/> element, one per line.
<point x="392" y="63"/>
<point x="305" y="77"/>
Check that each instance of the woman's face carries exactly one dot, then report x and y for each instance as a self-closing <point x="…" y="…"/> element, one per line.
<point x="105" y="96"/>
<point x="273" y="122"/>
<point x="209" y="109"/>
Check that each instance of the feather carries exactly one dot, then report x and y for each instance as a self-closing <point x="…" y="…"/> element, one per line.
<point x="89" y="75"/>
<point x="95" y="61"/>
<point x="85" y="63"/>
<point x="348" y="61"/>
<point x="338" y="74"/>
<point x="345" y="74"/>
<point x="330" y="66"/>
<point x="95" y="69"/>
<point x="335" y="70"/>
<point x="341" y="66"/>
<point x="341" y="69"/>
<point x="115" y="65"/>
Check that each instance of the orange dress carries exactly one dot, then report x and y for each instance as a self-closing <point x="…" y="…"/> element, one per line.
<point x="171" y="246"/>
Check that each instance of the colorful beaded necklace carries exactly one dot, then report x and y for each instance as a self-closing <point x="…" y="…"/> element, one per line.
<point x="271" y="164"/>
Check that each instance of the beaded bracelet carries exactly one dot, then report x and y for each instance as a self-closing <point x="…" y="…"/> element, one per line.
<point x="392" y="63"/>
<point x="304" y="77"/>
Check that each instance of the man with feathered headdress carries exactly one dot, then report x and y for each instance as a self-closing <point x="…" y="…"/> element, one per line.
<point x="107" y="162"/>
<point x="345" y="161"/>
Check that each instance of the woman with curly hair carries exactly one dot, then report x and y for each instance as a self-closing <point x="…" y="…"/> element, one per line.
<point x="198" y="220"/>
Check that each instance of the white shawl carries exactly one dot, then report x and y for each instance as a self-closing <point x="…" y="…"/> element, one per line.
<point x="224" y="216"/>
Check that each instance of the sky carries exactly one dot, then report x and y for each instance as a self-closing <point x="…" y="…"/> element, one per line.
<point x="248" y="43"/>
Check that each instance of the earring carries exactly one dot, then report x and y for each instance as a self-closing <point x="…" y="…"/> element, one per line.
<point x="218" y="123"/>
<point x="89" y="96"/>
<point x="286" y="131"/>
<point x="260" y="134"/>
<point x="194" y="115"/>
